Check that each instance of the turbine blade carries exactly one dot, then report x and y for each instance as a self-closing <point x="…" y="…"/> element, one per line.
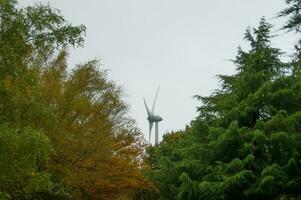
<point x="150" y="130"/>
<point x="151" y="126"/>
<point x="153" y="108"/>
<point x="147" y="110"/>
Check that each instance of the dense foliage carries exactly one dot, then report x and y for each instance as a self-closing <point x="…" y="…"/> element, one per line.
<point x="63" y="134"/>
<point x="246" y="141"/>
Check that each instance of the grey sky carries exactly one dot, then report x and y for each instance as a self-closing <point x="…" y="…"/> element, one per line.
<point x="179" y="45"/>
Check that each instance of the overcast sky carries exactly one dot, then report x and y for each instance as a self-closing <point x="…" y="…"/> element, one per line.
<point x="178" y="44"/>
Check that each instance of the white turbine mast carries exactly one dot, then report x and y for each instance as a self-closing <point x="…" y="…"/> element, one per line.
<point x="152" y="118"/>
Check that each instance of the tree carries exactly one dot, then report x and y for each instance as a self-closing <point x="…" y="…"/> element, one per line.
<point x="64" y="134"/>
<point x="292" y="12"/>
<point x="97" y="146"/>
<point x="29" y="37"/>
<point x="245" y="144"/>
<point x="23" y="154"/>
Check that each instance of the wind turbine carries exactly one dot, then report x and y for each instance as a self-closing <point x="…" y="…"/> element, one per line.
<point x="152" y="118"/>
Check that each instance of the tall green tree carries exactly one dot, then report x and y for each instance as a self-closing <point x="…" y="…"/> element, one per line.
<point x="241" y="96"/>
<point x="245" y="143"/>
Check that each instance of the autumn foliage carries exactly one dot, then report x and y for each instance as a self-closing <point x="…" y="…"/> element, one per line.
<point x="64" y="133"/>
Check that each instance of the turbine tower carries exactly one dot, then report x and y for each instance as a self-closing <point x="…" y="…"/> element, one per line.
<point x="152" y="118"/>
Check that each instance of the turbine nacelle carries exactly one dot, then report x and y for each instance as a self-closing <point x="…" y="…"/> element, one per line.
<point x="154" y="118"/>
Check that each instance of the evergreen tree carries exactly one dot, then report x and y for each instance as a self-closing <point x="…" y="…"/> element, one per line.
<point x="245" y="144"/>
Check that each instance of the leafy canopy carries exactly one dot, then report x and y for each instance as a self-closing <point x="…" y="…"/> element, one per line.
<point x="245" y="143"/>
